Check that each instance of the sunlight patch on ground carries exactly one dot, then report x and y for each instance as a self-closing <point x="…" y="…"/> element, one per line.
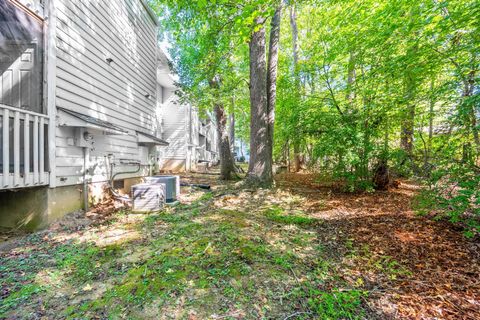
<point x="118" y="232"/>
<point x="50" y="277"/>
<point x="237" y="218"/>
<point x="236" y="253"/>
<point x="114" y="236"/>
<point x="406" y="236"/>
<point x="187" y="196"/>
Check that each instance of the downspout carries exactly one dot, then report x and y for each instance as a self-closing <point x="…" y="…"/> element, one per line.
<point x="85" y="182"/>
<point x="50" y="73"/>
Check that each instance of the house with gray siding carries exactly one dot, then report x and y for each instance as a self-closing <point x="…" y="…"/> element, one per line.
<point x="79" y="104"/>
<point x="192" y="137"/>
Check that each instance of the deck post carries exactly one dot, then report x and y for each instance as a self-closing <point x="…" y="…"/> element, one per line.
<point x="51" y="76"/>
<point x="26" y="148"/>
<point x="36" y="179"/>
<point x="41" y="150"/>
<point x="6" y="148"/>
<point x="16" y="149"/>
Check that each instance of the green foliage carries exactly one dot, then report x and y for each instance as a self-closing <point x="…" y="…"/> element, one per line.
<point x="367" y="73"/>
<point x="209" y="41"/>
<point x="80" y="260"/>
<point x="359" y="80"/>
<point x="336" y="304"/>
<point x="278" y="215"/>
<point x="19" y="297"/>
<point x="454" y="194"/>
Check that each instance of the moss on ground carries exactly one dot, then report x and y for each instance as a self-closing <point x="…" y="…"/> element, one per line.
<point x="193" y="259"/>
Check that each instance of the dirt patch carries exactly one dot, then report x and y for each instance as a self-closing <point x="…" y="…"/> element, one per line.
<point x="302" y="250"/>
<point x="440" y="269"/>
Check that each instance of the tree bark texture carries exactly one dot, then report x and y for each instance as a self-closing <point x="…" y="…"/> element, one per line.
<point x="351" y="78"/>
<point x="263" y="94"/>
<point x="227" y="164"/>
<point x="232" y="131"/>
<point x="408" y="122"/>
<point x="259" y="168"/>
<point x="272" y="73"/>
<point x="227" y="167"/>
<point x="296" y="74"/>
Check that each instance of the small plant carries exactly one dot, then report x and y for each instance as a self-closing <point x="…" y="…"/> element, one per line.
<point x="205" y="197"/>
<point x="19" y="297"/>
<point x="390" y="267"/>
<point x="336" y="304"/>
<point x="454" y="194"/>
<point x="278" y="215"/>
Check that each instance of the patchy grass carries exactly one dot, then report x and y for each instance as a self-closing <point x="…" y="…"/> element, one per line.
<point x="279" y="215"/>
<point x="231" y="254"/>
<point x="19" y="297"/>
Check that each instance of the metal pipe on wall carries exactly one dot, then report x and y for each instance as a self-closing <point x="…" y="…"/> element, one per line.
<point x="86" y="155"/>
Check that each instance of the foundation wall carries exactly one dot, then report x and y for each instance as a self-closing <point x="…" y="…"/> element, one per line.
<point x="33" y="209"/>
<point x="36" y="208"/>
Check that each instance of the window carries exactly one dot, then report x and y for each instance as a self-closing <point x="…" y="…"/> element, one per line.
<point x="21" y="57"/>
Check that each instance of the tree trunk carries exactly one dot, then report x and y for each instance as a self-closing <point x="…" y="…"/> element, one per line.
<point x="227" y="167"/>
<point x="293" y="24"/>
<point x="408" y="121"/>
<point x="289" y="163"/>
<point x="260" y="165"/>
<point x="297" y="155"/>
<point x="232" y="131"/>
<point x="351" y="78"/>
<point x="431" y="115"/>
<point x="263" y="94"/>
<point x="381" y="177"/>
<point x="272" y="73"/>
<point x="407" y="130"/>
<point x="227" y="164"/>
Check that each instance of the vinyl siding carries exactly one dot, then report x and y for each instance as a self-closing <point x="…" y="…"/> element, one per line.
<point x="89" y="32"/>
<point x="175" y="125"/>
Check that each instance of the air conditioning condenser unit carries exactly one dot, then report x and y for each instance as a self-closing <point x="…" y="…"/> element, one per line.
<point x="148" y="197"/>
<point x="172" y="184"/>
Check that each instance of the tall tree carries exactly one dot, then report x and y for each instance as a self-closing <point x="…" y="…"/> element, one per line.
<point x="259" y="169"/>
<point x="201" y="52"/>
<point x="408" y="122"/>
<point x="227" y="164"/>
<point x="272" y="75"/>
<point x="296" y="74"/>
<point x="263" y="95"/>
<point x="227" y="167"/>
<point x="231" y="127"/>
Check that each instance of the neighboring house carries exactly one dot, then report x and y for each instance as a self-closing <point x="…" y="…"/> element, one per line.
<point x="241" y="151"/>
<point x="78" y="104"/>
<point x="192" y="139"/>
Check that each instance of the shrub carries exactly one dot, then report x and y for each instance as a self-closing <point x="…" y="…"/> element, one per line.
<point x="454" y="194"/>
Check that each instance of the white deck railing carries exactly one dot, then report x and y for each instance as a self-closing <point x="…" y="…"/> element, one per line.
<point x="23" y="155"/>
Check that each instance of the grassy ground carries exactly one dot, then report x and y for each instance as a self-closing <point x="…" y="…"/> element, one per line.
<point x="298" y="251"/>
